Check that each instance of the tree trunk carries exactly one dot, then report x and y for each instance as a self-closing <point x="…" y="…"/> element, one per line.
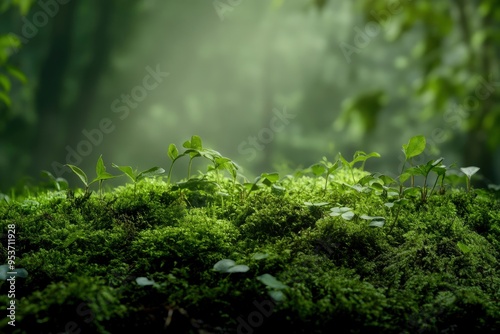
<point x="50" y="130"/>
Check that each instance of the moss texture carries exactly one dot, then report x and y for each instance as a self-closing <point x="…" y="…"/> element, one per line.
<point x="432" y="268"/>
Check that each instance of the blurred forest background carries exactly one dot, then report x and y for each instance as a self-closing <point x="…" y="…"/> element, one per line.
<point x="274" y="85"/>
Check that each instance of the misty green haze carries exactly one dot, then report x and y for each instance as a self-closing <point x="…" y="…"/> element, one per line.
<point x="274" y="85"/>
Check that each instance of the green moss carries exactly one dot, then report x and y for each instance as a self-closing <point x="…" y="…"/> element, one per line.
<point x="434" y="268"/>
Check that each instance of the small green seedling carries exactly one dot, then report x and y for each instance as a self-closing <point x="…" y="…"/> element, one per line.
<point x="194" y="148"/>
<point x="359" y="156"/>
<point x="136" y="177"/>
<point x="424" y="170"/>
<point x="416" y="146"/>
<point x="223" y="163"/>
<point x="100" y="170"/>
<point x="58" y="183"/>
<point x="325" y="166"/>
<point x="469" y="171"/>
<point x="173" y="154"/>
<point x="265" y="179"/>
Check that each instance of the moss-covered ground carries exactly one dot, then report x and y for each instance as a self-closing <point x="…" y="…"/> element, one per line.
<point x="433" y="267"/>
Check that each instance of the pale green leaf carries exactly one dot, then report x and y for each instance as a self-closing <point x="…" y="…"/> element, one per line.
<point x="415" y="146"/>
<point x="271" y="282"/>
<point x="469" y="171"/>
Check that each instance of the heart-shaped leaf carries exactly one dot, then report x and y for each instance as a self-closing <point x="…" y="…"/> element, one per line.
<point x="318" y="169"/>
<point x="348" y="215"/>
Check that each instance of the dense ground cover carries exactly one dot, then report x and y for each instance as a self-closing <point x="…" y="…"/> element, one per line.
<point x="338" y="248"/>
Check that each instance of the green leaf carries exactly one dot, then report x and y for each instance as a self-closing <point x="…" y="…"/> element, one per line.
<point x="348" y="215"/>
<point x="196" y="143"/>
<point x="366" y="217"/>
<point x="271" y="282"/>
<point x="277" y="295"/>
<point x="81" y="174"/>
<point x="387" y="179"/>
<point x="278" y="190"/>
<point x="240" y="268"/>
<point x="229" y="266"/>
<point x="6" y="99"/>
<point x="269" y="178"/>
<point x="377" y="223"/>
<point x="24" y="6"/>
<point x="154" y="171"/>
<point x="413" y="191"/>
<point x="99" y="167"/>
<point x="173" y="152"/>
<point x="366" y="180"/>
<point x="339" y="211"/>
<point x="359" y="188"/>
<point x="360" y="156"/>
<point x="415" y="146"/>
<point x="5" y="82"/>
<point x="102" y="177"/>
<point x="405" y="176"/>
<point x="318" y="169"/>
<point x="48" y="175"/>
<point x="333" y="167"/>
<point x="144" y="281"/>
<point x="224" y="265"/>
<point x="260" y="256"/>
<point x="72" y="238"/>
<point x="316" y="203"/>
<point x="127" y="170"/>
<point x="19" y="272"/>
<point x="344" y="161"/>
<point x="463" y="247"/>
<point x="469" y="171"/>
<point x="13" y="71"/>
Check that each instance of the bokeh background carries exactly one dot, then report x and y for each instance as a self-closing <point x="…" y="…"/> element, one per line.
<point x="274" y="85"/>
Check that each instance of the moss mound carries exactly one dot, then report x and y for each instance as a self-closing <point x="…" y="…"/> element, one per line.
<point x="142" y="257"/>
